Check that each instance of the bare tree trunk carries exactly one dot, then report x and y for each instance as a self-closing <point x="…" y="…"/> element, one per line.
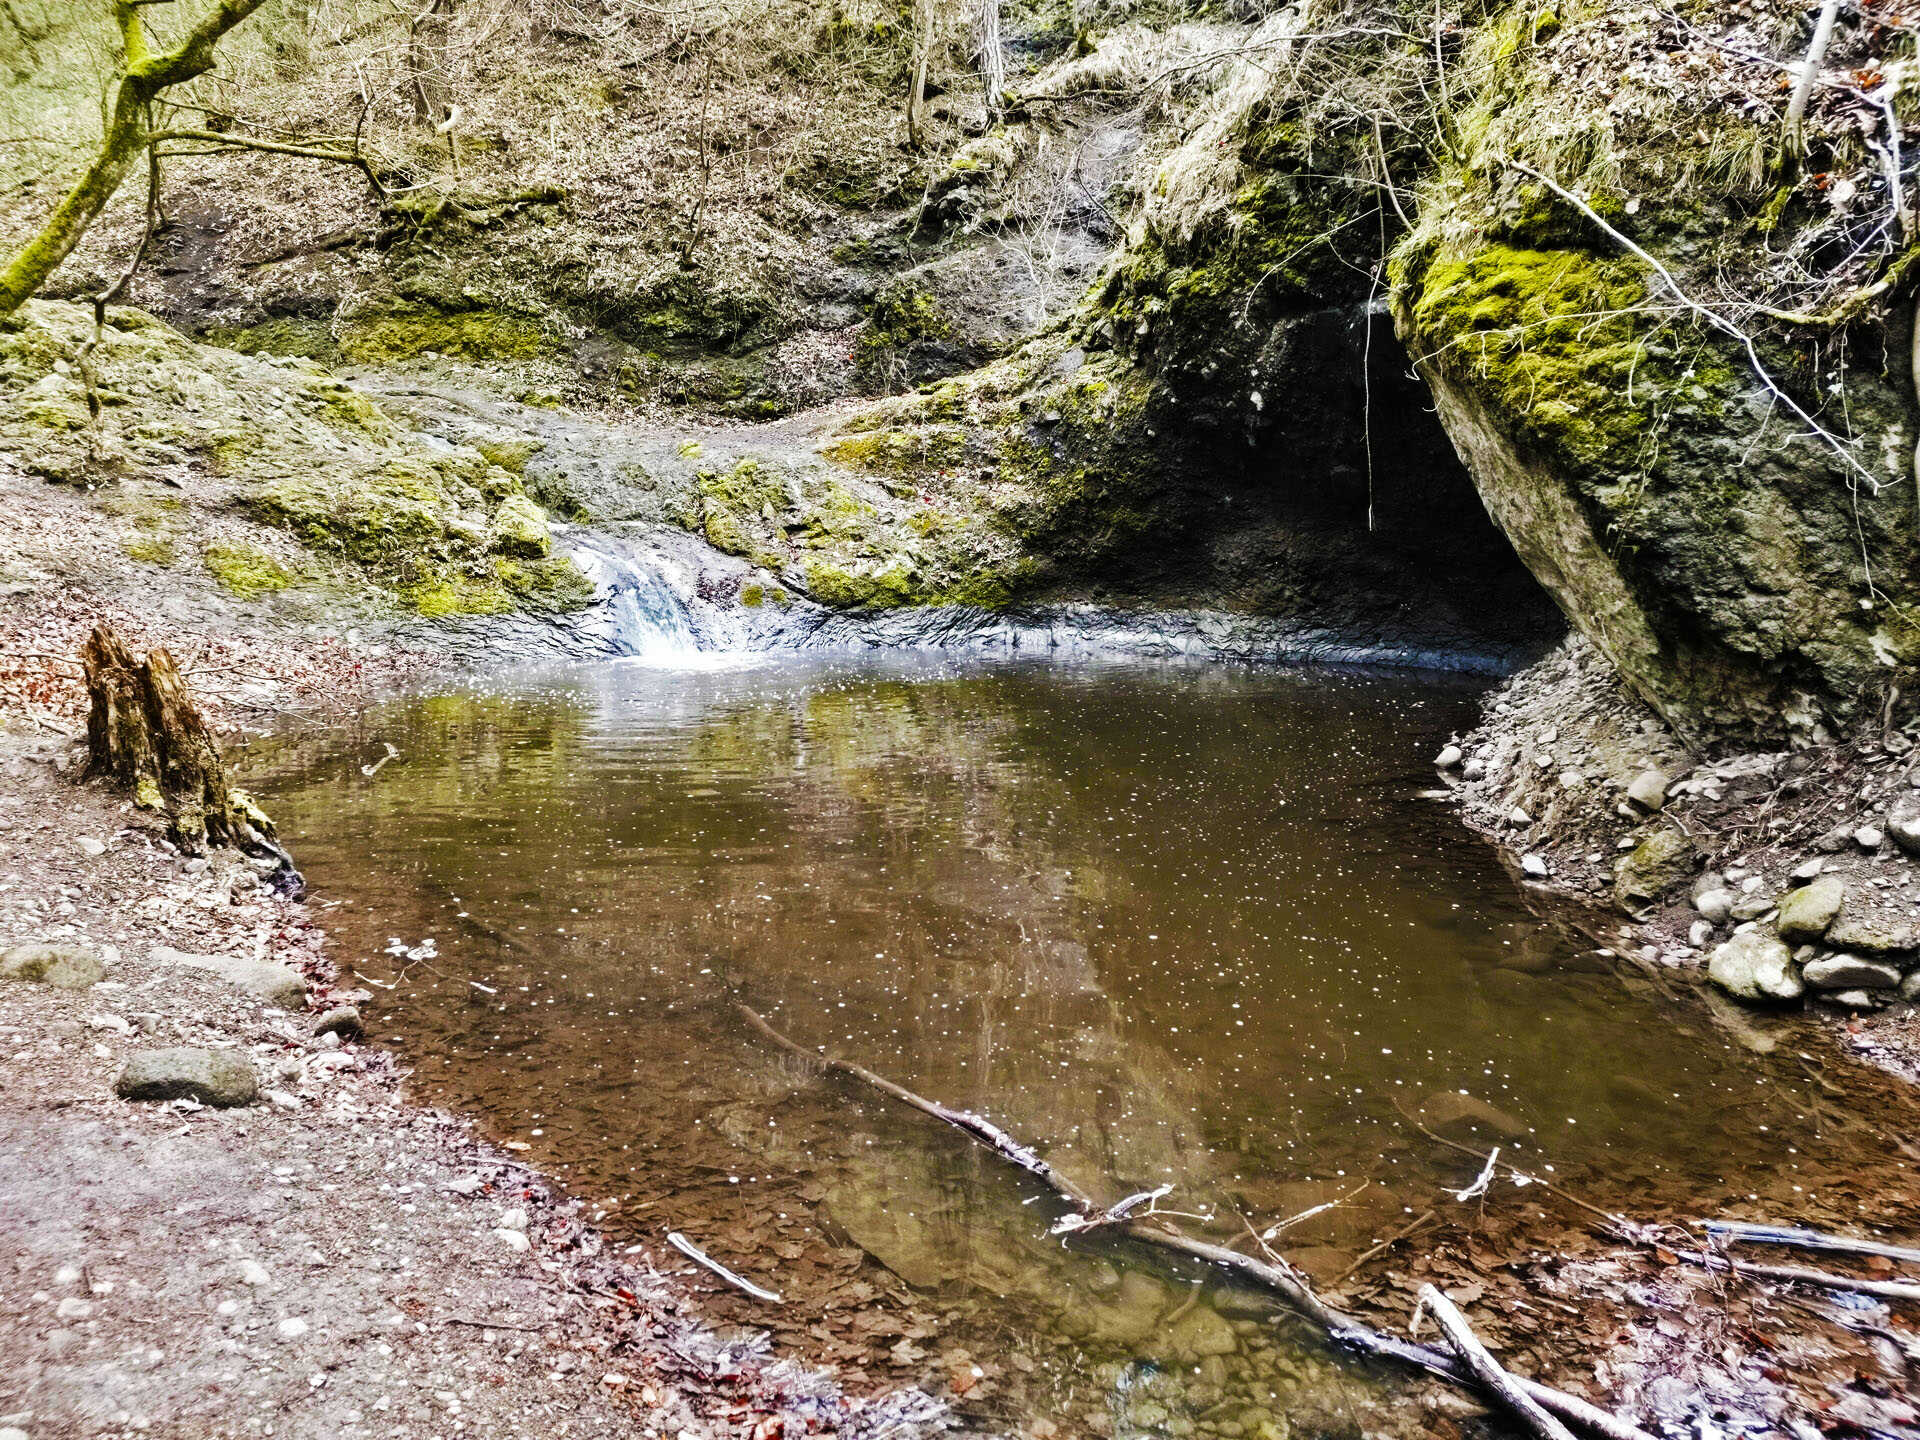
<point x="427" y="41"/>
<point x="145" y="732"/>
<point x="1794" y="143"/>
<point x="922" y="52"/>
<point x="992" y="59"/>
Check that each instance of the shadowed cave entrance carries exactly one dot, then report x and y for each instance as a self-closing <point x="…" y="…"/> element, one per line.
<point x="1323" y="488"/>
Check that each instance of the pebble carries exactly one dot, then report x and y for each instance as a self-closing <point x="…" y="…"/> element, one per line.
<point x="1808" y="870"/>
<point x="1519" y="816"/>
<point x="513" y="1240"/>
<point x="1869" y="837"/>
<point x="465" y="1185"/>
<point x="1698" y="933"/>
<point x="1449" y="757"/>
<point x="514" y="1219"/>
<point x="74" y="1308"/>
<point x="93" y="847"/>
<point x="252" y="1272"/>
<point x="1533" y="866"/>
<point x="292" y="1328"/>
<point x="1474" y="770"/>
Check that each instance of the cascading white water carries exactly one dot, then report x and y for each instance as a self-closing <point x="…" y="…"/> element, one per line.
<point x="644" y="614"/>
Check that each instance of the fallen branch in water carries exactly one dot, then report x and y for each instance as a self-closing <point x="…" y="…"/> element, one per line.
<point x="693" y="1252"/>
<point x="1280" y="1279"/>
<point x="1743" y="1233"/>
<point x="1797" y="1275"/>
<point x="1493" y="1377"/>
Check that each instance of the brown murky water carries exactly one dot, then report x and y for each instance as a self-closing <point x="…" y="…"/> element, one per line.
<point x="1172" y="924"/>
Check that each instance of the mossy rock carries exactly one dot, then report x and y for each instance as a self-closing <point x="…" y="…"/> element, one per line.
<point x="65" y="967"/>
<point x="1653" y="867"/>
<point x="399" y="330"/>
<point x="246" y="570"/>
<point x="520" y="529"/>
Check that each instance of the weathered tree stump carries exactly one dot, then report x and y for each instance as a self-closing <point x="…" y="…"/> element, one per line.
<point x="145" y="732"/>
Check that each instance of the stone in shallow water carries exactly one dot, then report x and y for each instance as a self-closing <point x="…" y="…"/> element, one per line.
<point x="1755" y="966"/>
<point x="65" y="967"/>
<point x="1806" y="913"/>
<point x="212" y="1077"/>
<point x="1465" y="1117"/>
<point x="1849" y="972"/>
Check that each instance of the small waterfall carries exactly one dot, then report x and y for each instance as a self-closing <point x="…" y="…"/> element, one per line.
<point x="642" y="613"/>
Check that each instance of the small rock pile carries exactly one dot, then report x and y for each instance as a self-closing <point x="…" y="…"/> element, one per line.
<point x="1817" y="937"/>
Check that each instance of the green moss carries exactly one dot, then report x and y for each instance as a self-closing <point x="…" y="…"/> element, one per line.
<point x="899" y="450"/>
<point x="446" y="595"/>
<point x="149" y="549"/>
<point x="901" y="315"/>
<point x="510" y="455"/>
<point x="1552" y="337"/>
<point x="747" y="487"/>
<point x="286" y="335"/>
<point x="400" y="330"/>
<point x="846" y="589"/>
<point x="246" y="570"/>
<point x="753" y="596"/>
<point x="519" y="529"/>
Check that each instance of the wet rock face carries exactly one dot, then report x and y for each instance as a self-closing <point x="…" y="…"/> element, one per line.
<point x="221" y="1078"/>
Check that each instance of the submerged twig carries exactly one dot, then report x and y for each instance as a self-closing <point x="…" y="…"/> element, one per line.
<point x="693" y="1252"/>
<point x="1744" y="1232"/>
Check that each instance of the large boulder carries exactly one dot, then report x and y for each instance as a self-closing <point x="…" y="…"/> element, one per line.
<point x="1864" y="935"/>
<point x="1653" y="867"/>
<point x="1756" y="966"/>
<point x="66" y="967"/>
<point x="276" y="984"/>
<point x="1806" y="913"/>
<point x="212" y="1077"/>
<point x="1849" y="972"/>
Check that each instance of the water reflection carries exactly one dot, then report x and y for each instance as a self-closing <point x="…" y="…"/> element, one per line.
<point x="1172" y="924"/>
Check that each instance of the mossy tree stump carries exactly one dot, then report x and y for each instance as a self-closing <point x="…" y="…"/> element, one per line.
<point x="145" y="732"/>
